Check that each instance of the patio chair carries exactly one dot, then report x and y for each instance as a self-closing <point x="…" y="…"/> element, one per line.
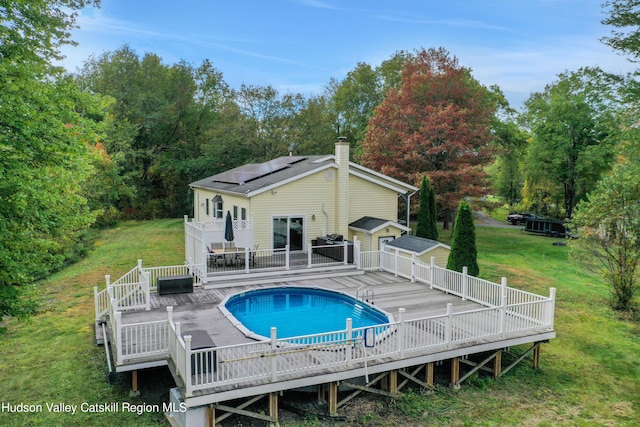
<point x="217" y="254"/>
<point x="229" y="255"/>
<point x="239" y="257"/>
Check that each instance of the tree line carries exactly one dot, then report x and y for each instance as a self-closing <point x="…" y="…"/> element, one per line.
<point x="164" y="126"/>
<point x="124" y="136"/>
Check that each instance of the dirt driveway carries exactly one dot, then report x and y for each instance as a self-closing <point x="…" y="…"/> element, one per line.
<point x="482" y="219"/>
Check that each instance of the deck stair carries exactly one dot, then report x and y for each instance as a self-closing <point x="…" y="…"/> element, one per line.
<point x="261" y="278"/>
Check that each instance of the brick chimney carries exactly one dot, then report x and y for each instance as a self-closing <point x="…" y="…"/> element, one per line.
<point x="342" y="208"/>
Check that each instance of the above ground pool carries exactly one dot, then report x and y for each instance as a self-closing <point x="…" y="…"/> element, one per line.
<point x="299" y="311"/>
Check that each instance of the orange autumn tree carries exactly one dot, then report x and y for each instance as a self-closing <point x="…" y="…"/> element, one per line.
<point x="438" y="123"/>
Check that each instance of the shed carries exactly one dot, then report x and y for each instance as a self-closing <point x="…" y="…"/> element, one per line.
<point x="373" y="232"/>
<point x="423" y="248"/>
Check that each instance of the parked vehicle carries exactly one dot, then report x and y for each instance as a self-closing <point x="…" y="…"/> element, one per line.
<point x="521" y="218"/>
<point x="545" y="226"/>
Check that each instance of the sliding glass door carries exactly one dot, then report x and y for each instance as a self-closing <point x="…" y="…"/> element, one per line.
<point x="288" y="230"/>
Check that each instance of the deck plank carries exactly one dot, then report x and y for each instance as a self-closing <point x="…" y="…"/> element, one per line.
<point x="200" y="310"/>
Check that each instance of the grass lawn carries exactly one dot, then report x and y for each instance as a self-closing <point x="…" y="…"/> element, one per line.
<point x="52" y="358"/>
<point x="589" y="374"/>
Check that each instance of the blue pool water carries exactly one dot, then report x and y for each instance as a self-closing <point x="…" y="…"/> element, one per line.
<point x="300" y="311"/>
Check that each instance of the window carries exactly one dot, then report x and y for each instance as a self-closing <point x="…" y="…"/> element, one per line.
<point x="217" y="207"/>
<point x="243" y="214"/>
<point x="235" y="212"/>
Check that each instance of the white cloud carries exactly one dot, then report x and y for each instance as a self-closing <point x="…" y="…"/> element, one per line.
<point x="530" y="67"/>
<point x="317" y="4"/>
<point x="97" y="28"/>
<point x="461" y="23"/>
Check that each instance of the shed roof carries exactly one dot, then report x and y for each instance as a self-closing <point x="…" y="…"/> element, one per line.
<point x="419" y="245"/>
<point x="371" y="224"/>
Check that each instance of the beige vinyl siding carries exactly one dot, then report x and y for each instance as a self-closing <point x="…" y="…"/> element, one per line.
<point x="228" y="202"/>
<point x="384" y="179"/>
<point x="363" y="238"/>
<point x="303" y="197"/>
<point x="387" y="231"/>
<point x="369" y="241"/>
<point x="440" y="254"/>
<point x="369" y="199"/>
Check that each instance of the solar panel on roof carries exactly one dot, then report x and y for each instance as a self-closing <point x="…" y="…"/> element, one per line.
<point x="275" y="165"/>
<point x="285" y="161"/>
<point x="237" y="175"/>
<point x="253" y="171"/>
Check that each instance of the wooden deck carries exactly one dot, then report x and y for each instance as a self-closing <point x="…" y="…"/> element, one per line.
<point x="199" y="311"/>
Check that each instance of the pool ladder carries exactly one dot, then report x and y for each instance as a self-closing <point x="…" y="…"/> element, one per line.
<point x="367" y="295"/>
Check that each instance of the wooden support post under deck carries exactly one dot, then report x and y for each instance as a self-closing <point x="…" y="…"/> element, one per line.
<point x="333" y="398"/>
<point x="134" y="392"/>
<point x="536" y="356"/>
<point x="455" y="372"/>
<point x="497" y="364"/>
<point x="321" y="397"/>
<point x="393" y="381"/>
<point x="211" y="416"/>
<point x="384" y="384"/>
<point x="273" y="409"/>
<point x="429" y="375"/>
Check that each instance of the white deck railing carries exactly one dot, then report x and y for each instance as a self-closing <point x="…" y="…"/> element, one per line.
<point x="131" y="296"/>
<point x="141" y="340"/>
<point x="172" y="270"/>
<point x="246" y="260"/>
<point x="369" y="260"/>
<point x="200" y="235"/>
<point x="506" y="311"/>
<point x="101" y="300"/>
<point x="461" y="284"/>
<point x="136" y="340"/>
<point x="277" y="358"/>
<point x="131" y="291"/>
<point x="115" y="320"/>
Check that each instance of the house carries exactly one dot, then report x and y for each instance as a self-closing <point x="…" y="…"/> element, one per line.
<point x="293" y="200"/>
<point x="424" y="249"/>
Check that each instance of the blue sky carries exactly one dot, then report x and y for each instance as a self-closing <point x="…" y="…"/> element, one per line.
<point x="299" y="45"/>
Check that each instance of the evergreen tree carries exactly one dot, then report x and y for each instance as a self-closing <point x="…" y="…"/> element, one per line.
<point x="433" y="216"/>
<point x="427" y="214"/>
<point x="463" y="247"/>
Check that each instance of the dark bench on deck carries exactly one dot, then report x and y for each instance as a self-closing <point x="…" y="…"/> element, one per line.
<point x="201" y="363"/>
<point x="175" y="284"/>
